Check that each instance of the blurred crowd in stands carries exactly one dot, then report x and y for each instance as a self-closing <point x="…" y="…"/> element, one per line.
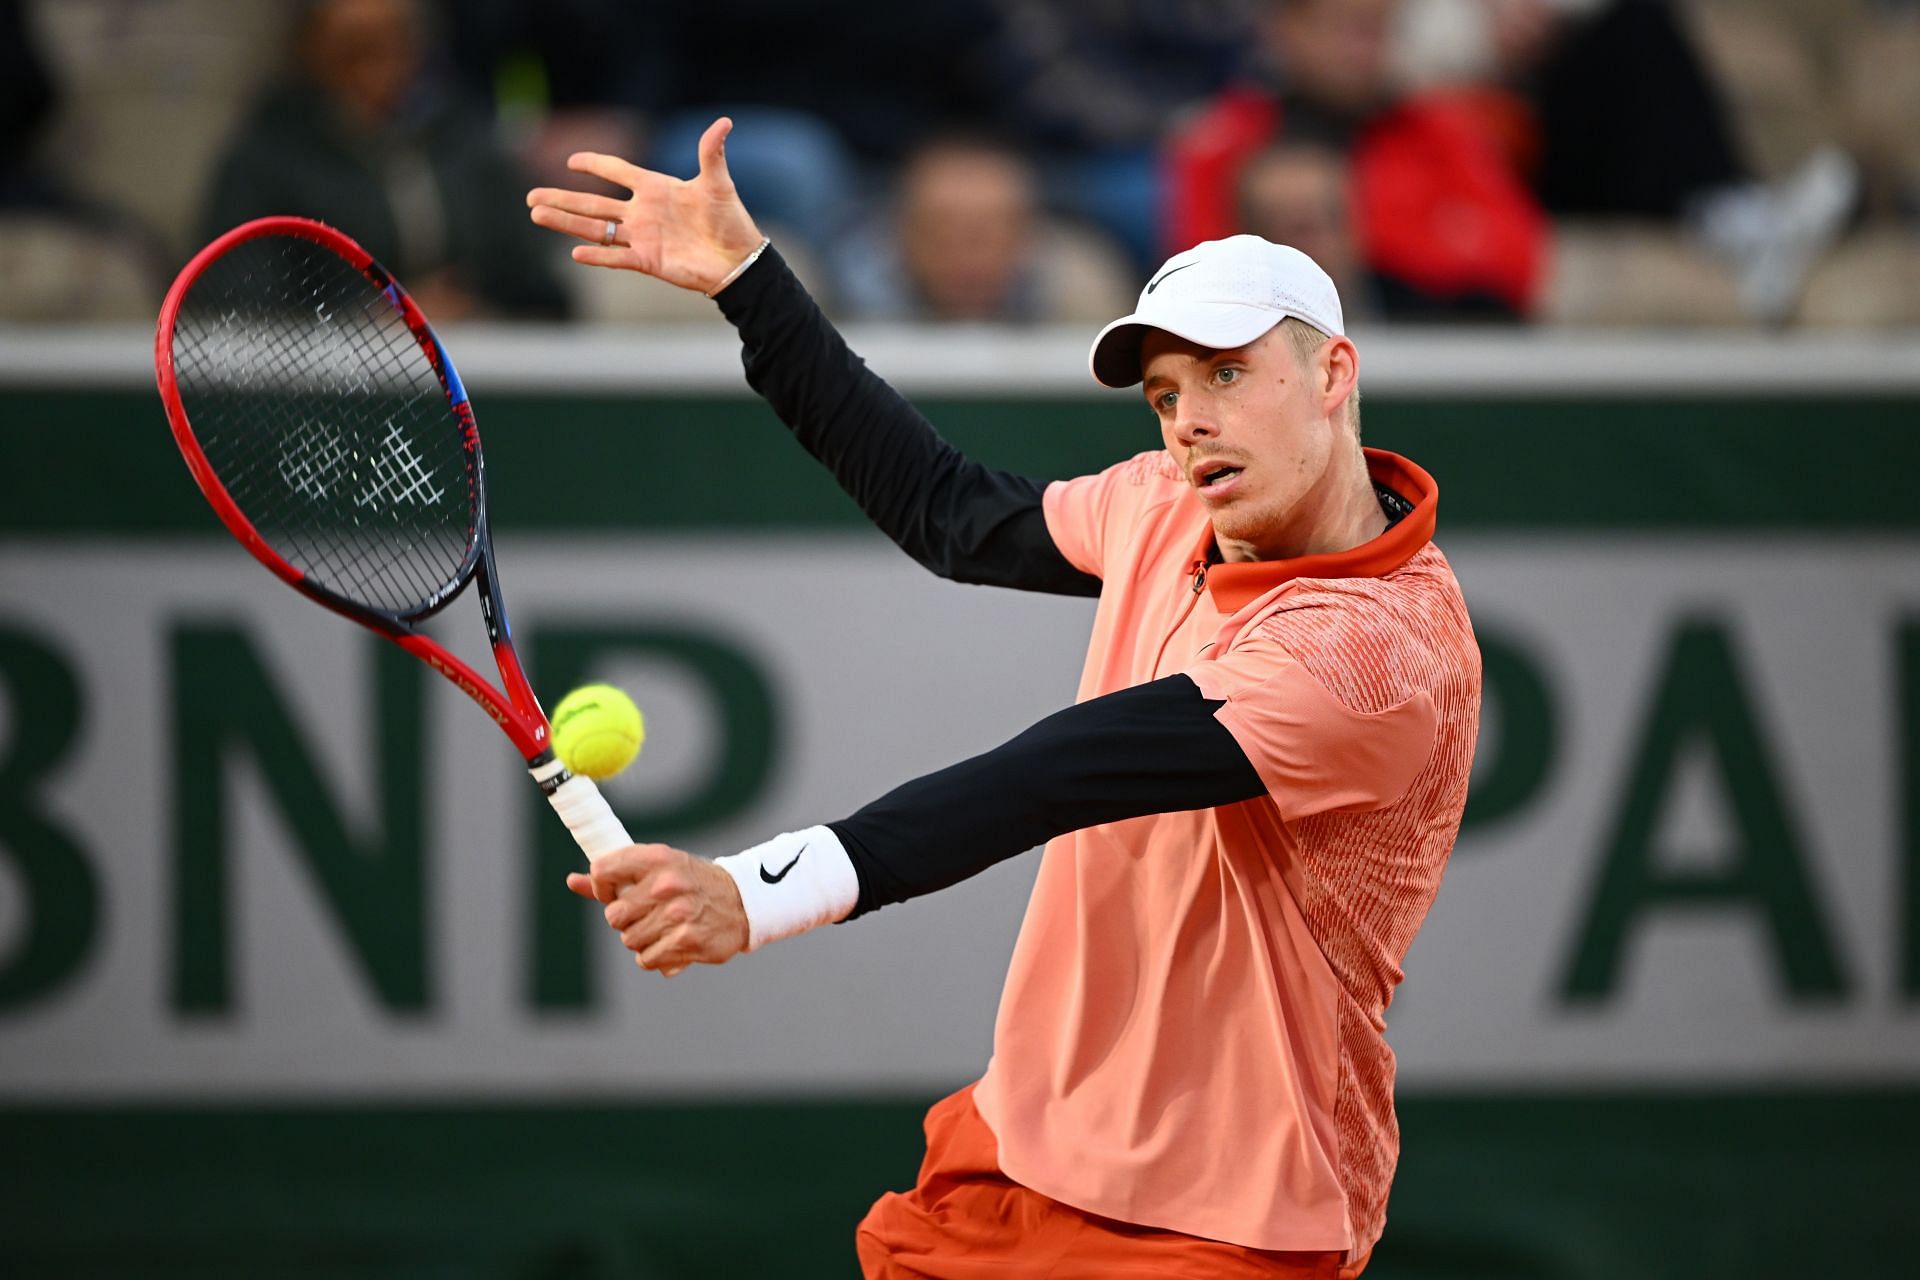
<point x="1623" y="162"/>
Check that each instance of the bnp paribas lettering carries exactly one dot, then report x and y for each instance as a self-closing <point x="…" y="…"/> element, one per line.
<point x="232" y="720"/>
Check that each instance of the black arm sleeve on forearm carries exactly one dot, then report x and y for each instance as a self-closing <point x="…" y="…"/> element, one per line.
<point x="1154" y="748"/>
<point x="962" y="520"/>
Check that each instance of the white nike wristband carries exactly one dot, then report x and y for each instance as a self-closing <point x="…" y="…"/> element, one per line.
<point x="794" y="882"/>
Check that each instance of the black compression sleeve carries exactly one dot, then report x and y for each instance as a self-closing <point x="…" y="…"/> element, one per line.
<point x="962" y="520"/>
<point x="1154" y="748"/>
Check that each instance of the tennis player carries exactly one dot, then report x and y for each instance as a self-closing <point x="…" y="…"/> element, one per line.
<point x="1246" y="811"/>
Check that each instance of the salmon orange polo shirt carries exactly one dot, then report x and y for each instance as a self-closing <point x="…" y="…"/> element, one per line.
<point x="1192" y="1034"/>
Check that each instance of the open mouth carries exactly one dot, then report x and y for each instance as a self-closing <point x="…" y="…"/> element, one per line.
<point x="1215" y="476"/>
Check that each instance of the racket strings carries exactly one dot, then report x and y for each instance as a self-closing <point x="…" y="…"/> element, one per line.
<point x="315" y="455"/>
<point x="325" y="421"/>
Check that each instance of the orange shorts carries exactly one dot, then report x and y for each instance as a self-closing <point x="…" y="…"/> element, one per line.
<point x="966" y="1220"/>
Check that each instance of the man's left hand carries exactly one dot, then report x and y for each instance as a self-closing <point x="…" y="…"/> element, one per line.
<point x="670" y="908"/>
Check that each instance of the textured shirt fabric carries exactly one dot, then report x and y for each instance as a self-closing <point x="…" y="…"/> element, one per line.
<point x="1191" y="1036"/>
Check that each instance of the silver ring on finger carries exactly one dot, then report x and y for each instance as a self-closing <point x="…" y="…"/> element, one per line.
<point x="612" y="228"/>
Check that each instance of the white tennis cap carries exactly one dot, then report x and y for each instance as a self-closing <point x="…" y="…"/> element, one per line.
<point x="1222" y="294"/>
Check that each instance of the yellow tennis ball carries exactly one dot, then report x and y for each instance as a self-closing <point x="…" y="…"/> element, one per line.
<point x="597" y="731"/>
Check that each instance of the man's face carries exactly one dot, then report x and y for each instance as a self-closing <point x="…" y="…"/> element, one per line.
<point x="1297" y="195"/>
<point x="1334" y="52"/>
<point x="966" y="227"/>
<point x="1251" y="429"/>
<point x="365" y="53"/>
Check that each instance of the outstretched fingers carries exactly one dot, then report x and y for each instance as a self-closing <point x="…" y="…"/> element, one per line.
<point x="713" y="153"/>
<point x="620" y="173"/>
<point x="584" y="203"/>
<point x="596" y="255"/>
<point x="592" y="230"/>
<point x="689" y="234"/>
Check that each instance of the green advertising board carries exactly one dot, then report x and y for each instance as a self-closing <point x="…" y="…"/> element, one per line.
<point x="289" y="984"/>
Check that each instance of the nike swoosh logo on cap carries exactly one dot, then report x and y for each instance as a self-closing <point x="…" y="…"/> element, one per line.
<point x="1169" y="271"/>
<point x="773" y="879"/>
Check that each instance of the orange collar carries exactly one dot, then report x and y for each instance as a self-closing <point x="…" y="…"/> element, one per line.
<point x="1235" y="586"/>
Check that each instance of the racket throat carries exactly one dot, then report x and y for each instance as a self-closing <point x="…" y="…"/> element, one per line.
<point x="493" y="610"/>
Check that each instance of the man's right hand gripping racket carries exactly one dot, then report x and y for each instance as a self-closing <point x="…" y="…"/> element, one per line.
<point x="321" y="417"/>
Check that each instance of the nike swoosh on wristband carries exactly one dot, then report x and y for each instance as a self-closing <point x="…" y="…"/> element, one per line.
<point x="783" y="871"/>
<point x="1164" y="274"/>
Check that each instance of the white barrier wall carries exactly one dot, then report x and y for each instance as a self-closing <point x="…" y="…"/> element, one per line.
<point x="247" y="851"/>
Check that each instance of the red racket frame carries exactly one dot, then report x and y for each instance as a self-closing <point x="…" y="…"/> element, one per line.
<point x="515" y="710"/>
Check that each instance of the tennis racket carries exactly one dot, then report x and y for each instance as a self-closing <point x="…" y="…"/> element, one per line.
<point x="322" y="419"/>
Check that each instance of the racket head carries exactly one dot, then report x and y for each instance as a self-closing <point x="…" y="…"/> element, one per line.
<point x="322" y="419"/>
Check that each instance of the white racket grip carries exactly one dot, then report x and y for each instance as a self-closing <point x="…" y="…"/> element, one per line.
<point x="595" y="827"/>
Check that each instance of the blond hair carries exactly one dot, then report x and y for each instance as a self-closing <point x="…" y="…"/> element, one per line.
<point x="1305" y="342"/>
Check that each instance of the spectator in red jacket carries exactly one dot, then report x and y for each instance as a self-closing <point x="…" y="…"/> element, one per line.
<point x="1444" y="219"/>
